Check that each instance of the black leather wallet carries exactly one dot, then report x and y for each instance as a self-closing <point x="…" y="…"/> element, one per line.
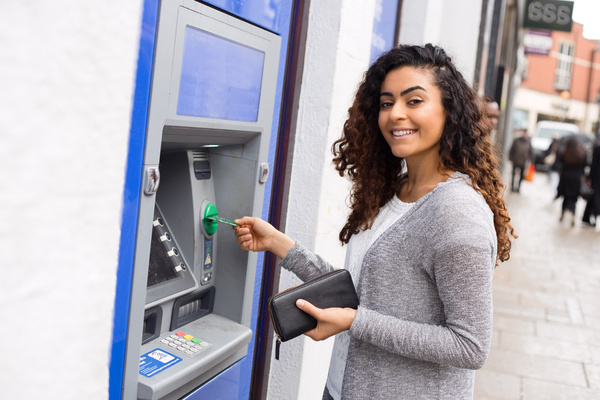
<point x="332" y="289"/>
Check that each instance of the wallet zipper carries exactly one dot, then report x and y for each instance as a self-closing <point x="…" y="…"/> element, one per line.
<point x="277" y="345"/>
<point x="278" y="341"/>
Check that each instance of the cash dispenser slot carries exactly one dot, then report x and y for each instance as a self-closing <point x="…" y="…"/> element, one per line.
<point x="191" y="307"/>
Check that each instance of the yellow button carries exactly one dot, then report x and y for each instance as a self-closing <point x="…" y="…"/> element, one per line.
<point x="188" y="337"/>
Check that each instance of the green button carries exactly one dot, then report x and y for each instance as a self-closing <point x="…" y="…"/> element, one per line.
<point x="196" y="340"/>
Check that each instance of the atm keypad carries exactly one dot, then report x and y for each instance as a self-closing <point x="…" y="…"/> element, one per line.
<point x="185" y="343"/>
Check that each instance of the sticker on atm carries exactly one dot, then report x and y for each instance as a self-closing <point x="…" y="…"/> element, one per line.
<point x="156" y="361"/>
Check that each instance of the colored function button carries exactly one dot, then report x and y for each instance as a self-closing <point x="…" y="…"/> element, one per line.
<point x="188" y="337"/>
<point x="180" y="333"/>
<point x="196" y="340"/>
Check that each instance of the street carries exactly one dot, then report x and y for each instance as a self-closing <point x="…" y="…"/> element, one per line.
<point x="546" y="340"/>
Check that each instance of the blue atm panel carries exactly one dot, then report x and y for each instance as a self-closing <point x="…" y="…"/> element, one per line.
<point x="208" y="134"/>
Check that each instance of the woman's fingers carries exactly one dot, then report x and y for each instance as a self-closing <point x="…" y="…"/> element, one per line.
<point x="243" y="237"/>
<point x="330" y="321"/>
<point x="308" y="308"/>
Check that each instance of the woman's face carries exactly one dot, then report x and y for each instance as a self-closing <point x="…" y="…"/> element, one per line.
<point x="411" y="115"/>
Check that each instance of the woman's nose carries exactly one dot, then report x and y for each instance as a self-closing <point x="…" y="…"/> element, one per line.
<point x="398" y="112"/>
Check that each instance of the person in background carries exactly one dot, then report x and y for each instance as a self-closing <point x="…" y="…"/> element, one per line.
<point x="592" y="209"/>
<point x="553" y="164"/>
<point x="521" y="156"/>
<point x="493" y="112"/>
<point x="427" y="226"/>
<point x="573" y="161"/>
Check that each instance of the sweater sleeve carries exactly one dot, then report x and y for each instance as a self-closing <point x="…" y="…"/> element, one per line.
<point x="462" y="259"/>
<point x="304" y="263"/>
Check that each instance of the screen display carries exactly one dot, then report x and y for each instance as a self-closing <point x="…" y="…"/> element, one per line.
<point x="220" y="79"/>
<point x="161" y="268"/>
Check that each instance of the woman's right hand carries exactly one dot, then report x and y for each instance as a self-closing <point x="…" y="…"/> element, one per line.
<point x="254" y="234"/>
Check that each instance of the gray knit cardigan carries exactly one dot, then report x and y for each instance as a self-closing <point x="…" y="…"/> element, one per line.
<point x="424" y="323"/>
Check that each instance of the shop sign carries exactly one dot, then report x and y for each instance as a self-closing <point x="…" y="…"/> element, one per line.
<point x="537" y="42"/>
<point x="552" y="15"/>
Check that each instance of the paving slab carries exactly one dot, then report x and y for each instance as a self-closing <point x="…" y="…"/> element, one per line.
<point x="546" y="339"/>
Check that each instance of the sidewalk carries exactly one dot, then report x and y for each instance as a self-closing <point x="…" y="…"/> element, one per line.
<point x="546" y="341"/>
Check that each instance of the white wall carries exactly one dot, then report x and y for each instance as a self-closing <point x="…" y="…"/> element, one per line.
<point x="337" y="55"/>
<point x="67" y="72"/>
<point x="453" y="25"/>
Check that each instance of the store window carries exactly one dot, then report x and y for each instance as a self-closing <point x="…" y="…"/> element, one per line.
<point x="385" y="29"/>
<point x="565" y="57"/>
<point x="520" y="119"/>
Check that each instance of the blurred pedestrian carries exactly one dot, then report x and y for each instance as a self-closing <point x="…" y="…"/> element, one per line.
<point x="573" y="160"/>
<point x="521" y="156"/>
<point x="553" y="164"/>
<point x="592" y="209"/>
<point x="492" y="111"/>
<point x="427" y="225"/>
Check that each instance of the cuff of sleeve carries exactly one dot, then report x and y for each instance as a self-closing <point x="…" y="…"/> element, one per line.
<point x="359" y="323"/>
<point x="291" y="255"/>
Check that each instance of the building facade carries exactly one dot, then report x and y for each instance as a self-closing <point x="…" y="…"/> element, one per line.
<point x="562" y="85"/>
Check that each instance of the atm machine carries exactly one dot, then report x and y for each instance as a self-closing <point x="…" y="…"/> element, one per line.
<point x="210" y="114"/>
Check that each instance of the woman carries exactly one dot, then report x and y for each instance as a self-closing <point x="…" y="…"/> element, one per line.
<point x="592" y="208"/>
<point x="427" y="226"/>
<point x="573" y="160"/>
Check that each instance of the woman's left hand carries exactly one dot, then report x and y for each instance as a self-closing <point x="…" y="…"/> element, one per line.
<point x="330" y="321"/>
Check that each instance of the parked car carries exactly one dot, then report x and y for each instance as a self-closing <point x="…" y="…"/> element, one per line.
<point x="545" y="132"/>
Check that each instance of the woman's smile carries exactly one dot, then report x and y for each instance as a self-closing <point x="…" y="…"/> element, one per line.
<point x="403" y="132"/>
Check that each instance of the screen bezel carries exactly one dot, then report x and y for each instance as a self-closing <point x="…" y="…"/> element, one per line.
<point x="235" y="31"/>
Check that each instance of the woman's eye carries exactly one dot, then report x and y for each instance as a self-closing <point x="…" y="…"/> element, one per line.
<point x="386" y="104"/>
<point x="414" y="102"/>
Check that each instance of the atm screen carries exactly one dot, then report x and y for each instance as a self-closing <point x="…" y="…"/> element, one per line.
<point x="161" y="268"/>
<point x="220" y="78"/>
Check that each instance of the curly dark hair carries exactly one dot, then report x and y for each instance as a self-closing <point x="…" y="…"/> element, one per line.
<point x="465" y="146"/>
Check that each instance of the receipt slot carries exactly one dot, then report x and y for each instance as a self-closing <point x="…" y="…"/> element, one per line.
<point x="205" y="157"/>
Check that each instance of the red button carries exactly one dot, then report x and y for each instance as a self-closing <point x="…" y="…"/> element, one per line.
<point x="180" y="333"/>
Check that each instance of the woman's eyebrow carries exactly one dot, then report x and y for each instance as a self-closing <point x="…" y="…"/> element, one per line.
<point x="410" y="89"/>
